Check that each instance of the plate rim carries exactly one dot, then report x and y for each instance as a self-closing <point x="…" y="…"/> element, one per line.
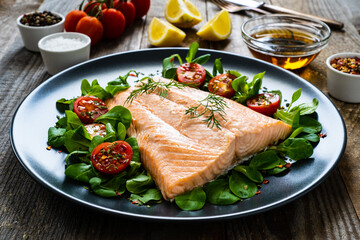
<point x="258" y="210"/>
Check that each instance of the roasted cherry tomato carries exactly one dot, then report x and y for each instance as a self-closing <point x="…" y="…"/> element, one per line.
<point x="96" y="129"/>
<point x="114" y="23"/>
<point x="92" y="27"/>
<point x="89" y="108"/>
<point x="72" y="19"/>
<point x="265" y="103"/>
<point x="142" y="7"/>
<point x="111" y="158"/>
<point x="222" y="85"/>
<point x="191" y="74"/>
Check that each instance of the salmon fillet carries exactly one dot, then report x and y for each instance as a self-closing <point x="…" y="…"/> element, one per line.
<point x="182" y="153"/>
<point x="253" y="131"/>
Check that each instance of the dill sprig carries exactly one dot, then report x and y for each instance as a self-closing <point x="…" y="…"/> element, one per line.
<point x="148" y="85"/>
<point x="212" y="104"/>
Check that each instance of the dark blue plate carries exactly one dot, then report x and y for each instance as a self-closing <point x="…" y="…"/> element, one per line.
<point x="37" y="113"/>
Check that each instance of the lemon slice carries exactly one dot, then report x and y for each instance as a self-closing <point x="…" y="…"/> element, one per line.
<point x="163" y="34"/>
<point x="218" y="28"/>
<point x="182" y="13"/>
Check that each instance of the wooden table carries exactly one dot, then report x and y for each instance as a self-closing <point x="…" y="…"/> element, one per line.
<point x="29" y="211"/>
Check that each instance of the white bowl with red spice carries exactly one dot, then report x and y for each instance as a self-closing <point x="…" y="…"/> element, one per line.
<point x="36" y="25"/>
<point x="62" y="50"/>
<point x="343" y="76"/>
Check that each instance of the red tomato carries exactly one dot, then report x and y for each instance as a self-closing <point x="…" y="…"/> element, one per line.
<point x="127" y="8"/>
<point x="111" y="158"/>
<point x="113" y="22"/>
<point x="96" y="129"/>
<point x="72" y="19"/>
<point x="92" y="27"/>
<point x="142" y="7"/>
<point x="222" y="85"/>
<point x="92" y="8"/>
<point x="89" y="108"/>
<point x="265" y="103"/>
<point x="191" y="74"/>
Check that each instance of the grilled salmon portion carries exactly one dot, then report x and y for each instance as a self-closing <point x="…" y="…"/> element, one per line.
<point x="253" y="131"/>
<point x="182" y="153"/>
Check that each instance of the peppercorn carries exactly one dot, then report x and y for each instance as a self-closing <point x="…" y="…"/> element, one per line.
<point x="39" y="19"/>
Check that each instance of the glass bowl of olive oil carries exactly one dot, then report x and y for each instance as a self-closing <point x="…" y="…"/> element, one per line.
<point x="288" y="41"/>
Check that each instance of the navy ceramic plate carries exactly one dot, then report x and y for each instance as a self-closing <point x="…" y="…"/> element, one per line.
<point x="38" y="112"/>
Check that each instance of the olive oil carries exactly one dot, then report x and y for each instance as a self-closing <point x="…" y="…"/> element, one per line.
<point x="287" y="48"/>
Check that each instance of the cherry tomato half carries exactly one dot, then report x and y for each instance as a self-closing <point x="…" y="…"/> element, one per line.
<point x="89" y="108"/>
<point x="265" y="103"/>
<point x="111" y="158"/>
<point x="96" y="129"/>
<point x="222" y="85"/>
<point x="191" y="74"/>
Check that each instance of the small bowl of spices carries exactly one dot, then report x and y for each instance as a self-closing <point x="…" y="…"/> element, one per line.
<point x="343" y="76"/>
<point x="288" y="41"/>
<point x="62" y="50"/>
<point x="36" y="25"/>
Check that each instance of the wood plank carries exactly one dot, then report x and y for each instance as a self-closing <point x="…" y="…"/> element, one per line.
<point x="30" y="211"/>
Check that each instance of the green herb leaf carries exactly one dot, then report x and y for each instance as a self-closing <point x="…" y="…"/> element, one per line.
<point x="150" y="195"/>
<point x="310" y="125"/>
<point x="307" y="108"/>
<point x="121" y="131"/>
<point x="296" y="95"/>
<point x="135" y="147"/>
<point x="192" y="200"/>
<point x="56" y="137"/>
<point x="265" y="160"/>
<point x="95" y="184"/>
<point x="202" y="59"/>
<point x="115" y="115"/>
<point x="78" y="156"/>
<point x="192" y="52"/>
<point x="241" y="186"/>
<point x="218" y="67"/>
<point x="96" y="140"/>
<point x="295" y="148"/>
<point x="80" y="172"/>
<point x="78" y="139"/>
<point x="218" y="192"/>
<point x="72" y="120"/>
<point x="63" y="104"/>
<point x="140" y="183"/>
<point x="250" y="172"/>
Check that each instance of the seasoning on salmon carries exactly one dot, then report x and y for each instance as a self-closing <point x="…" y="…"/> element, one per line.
<point x="182" y="153"/>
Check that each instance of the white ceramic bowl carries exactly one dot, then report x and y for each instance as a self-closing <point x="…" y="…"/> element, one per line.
<point x="64" y="55"/>
<point x="31" y="35"/>
<point x="343" y="86"/>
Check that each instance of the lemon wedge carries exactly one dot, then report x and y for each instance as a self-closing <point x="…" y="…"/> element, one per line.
<point x="182" y="13"/>
<point x="163" y="34"/>
<point x="218" y="28"/>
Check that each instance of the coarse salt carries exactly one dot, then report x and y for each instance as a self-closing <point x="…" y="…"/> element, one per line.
<point x="63" y="44"/>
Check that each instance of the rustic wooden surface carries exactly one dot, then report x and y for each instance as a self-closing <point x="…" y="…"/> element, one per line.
<point x="29" y="211"/>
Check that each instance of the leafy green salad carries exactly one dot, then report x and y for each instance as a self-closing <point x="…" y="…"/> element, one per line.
<point x="108" y="163"/>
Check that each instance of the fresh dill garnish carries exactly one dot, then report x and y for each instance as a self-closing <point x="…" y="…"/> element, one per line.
<point x="212" y="104"/>
<point x="148" y="85"/>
